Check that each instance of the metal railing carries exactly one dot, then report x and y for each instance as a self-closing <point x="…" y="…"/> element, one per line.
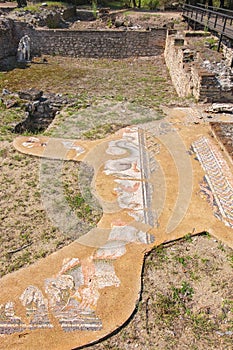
<point x="216" y="9"/>
<point x="217" y="22"/>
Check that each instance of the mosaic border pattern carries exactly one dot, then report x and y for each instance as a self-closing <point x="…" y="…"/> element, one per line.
<point x="218" y="177"/>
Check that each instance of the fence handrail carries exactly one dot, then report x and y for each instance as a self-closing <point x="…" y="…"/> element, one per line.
<point x="215" y="21"/>
<point x="206" y="10"/>
<point x="216" y="9"/>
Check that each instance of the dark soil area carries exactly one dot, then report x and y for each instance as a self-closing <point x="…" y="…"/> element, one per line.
<point x="224" y="133"/>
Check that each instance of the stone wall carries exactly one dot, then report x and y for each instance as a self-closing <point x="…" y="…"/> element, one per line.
<point x="97" y="44"/>
<point x="175" y="60"/>
<point x="188" y="75"/>
<point x="228" y="52"/>
<point x="7" y="39"/>
<point x="205" y="85"/>
<point x="10" y="34"/>
<point x="87" y="43"/>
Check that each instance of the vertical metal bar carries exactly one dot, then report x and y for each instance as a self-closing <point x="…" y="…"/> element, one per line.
<point x="215" y="22"/>
<point x="223" y="30"/>
<point x="224" y="26"/>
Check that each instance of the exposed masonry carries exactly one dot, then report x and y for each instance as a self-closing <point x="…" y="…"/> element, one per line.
<point x="10" y="35"/>
<point x="98" y="44"/>
<point x="192" y="77"/>
<point x="189" y="76"/>
<point x="86" y="43"/>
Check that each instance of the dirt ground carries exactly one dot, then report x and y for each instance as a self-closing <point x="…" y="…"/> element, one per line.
<point x="134" y="19"/>
<point x="104" y="99"/>
<point x="187" y="300"/>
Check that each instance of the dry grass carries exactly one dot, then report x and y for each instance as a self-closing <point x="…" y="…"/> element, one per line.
<point x="186" y="302"/>
<point x="187" y="287"/>
<point x="122" y="85"/>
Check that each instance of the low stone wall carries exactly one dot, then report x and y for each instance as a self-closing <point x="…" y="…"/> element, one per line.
<point x="88" y="43"/>
<point x="205" y="85"/>
<point x="188" y="76"/>
<point x="99" y="44"/>
<point x="174" y="56"/>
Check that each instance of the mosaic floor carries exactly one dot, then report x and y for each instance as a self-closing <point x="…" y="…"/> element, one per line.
<point x="154" y="183"/>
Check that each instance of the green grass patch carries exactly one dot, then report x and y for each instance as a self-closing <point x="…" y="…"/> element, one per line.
<point x="34" y="8"/>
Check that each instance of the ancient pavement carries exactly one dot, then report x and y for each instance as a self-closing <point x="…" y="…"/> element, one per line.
<point x="155" y="183"/>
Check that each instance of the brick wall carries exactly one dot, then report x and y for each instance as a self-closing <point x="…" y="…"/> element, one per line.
<point x="98" y="44"/>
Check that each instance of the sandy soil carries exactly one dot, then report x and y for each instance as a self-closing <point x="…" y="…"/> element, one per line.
<point x="186" y="302"/>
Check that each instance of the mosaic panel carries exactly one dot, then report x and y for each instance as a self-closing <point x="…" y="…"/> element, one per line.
<point x="133" y="172"/>
<point x="72" y="294"/>
<point x="9" y="322"/>
<point x="218" y="177"/>
<point x="36" y="308"/>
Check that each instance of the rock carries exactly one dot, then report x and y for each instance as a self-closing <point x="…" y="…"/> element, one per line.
<point x="223" y="73"/>
<point x="221" y="108"/>
<point x="30" y="95"/>
<point x="40" y="110"/>
<point x="84" y="15"/>
<point x="118" y="23"/>
<point x="11" y="103"/>
<point x="5" y="92"/>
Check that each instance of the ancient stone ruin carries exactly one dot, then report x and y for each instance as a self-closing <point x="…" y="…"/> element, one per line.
<point x="23" y="51"/>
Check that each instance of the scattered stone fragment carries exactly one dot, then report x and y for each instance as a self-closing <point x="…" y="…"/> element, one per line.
<point x="221" y="108"/>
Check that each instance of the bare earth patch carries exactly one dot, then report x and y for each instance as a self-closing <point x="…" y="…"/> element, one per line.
<point x="186" y="302"/>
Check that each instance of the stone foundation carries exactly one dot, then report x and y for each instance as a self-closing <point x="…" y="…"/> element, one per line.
<point x="87" y="43"/>
<point x="189" y="75"/>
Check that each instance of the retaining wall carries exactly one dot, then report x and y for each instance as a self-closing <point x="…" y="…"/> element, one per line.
<point x="99" y="44"/>
<point x="87" y="43"/>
